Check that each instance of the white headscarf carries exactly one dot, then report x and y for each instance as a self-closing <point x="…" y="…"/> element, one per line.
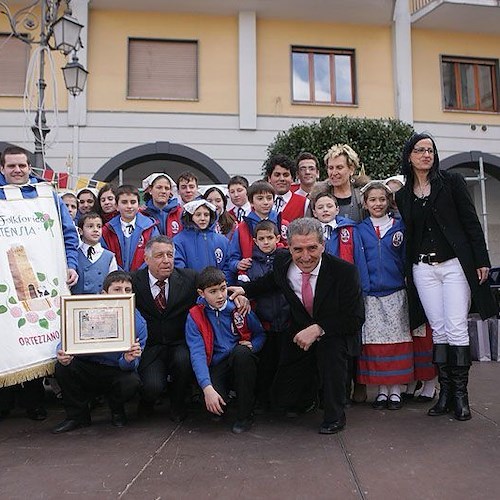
<point x="149" y="180"/>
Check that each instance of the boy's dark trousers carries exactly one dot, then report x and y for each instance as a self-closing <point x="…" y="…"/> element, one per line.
<point x="238" y="372"/>
<point x="269" y="357"/>
<point x="30" y="395"/>
<point x="82" y="379"/>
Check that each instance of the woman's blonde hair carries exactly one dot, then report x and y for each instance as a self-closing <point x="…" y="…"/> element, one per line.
<point x="345" y="150"/>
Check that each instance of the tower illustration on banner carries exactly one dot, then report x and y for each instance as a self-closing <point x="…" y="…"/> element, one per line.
<point x="30" y="293"/>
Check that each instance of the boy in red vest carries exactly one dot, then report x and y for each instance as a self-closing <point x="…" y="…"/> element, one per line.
<point x="127" y="233"/>
<point x="222" y="345"/>
<point x="280" y="173"/>
<point x="341" y="237"/>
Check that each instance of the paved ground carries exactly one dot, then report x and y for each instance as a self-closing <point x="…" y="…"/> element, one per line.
<point x="381" y="454"/>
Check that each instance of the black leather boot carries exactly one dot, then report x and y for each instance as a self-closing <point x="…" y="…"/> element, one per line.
<point x="460" y="362"/>
<point x="444" y="403"/>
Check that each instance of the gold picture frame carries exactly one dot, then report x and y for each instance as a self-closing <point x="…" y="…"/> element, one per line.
<point x="93" y="324"/>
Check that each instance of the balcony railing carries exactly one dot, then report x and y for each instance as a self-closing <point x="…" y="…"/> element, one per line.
<point x="416" y="5"/>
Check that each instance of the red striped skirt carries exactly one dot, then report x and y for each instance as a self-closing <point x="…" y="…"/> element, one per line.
<point x="386" y="364"/>
<point x="422" y="356"/>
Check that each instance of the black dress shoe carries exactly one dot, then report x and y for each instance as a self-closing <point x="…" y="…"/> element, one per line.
<point x="37" y="414"/>
<point x="302" y="410"/>
<point x="69" y="425"/>
<point x="407" y="396"/>
<point x="145" y="409"/>
<point x="394" y="404"/>
<point x="118" y="419"/>
<point x="242" y="425"/>
<point x="332" y="427"/>
<point x="178" y="415"/>
<point x="425" y="399"/>
<point x="380" y="402"/>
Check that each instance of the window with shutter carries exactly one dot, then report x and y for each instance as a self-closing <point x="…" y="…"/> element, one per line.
<point x="14" y="56"/>
<point x="162" y="69"/>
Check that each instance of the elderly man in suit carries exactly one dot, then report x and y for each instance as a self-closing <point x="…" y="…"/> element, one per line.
<point x="163" y="296"/>
<point x="326" y="317"/>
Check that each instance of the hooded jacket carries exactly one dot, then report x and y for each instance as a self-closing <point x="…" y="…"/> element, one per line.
<point x="343" y="240"/>
<point x="381" y="263"/>
<point x="168" y="217"/>
<point x="196" y="248"/>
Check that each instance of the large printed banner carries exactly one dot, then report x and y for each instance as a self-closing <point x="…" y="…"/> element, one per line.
<point x="32" y="279"/>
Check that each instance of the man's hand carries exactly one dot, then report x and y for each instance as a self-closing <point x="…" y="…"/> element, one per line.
<point x="213" y="400"/>
<point x="306" y="337"/>
<point x="244" y="264"/>
<point x="134" y="352"/>
<point x="235" y="291"/>
<point x="242" y="305"/>
<point x="63" y="358"/>
<point x="246" y="343"/>
<point x="71" y="277"/>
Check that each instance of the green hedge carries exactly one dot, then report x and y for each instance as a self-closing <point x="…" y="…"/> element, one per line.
<point x="378" y="142"/>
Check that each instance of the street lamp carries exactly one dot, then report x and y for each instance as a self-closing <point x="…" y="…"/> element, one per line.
<point x="75" y="76"/>
<point x="56" y="33"/>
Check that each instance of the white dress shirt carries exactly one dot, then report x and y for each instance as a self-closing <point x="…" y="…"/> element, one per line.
<point x="98" y="250"/>
<point x="285" y="197"/>
<point x="333" y="224"/>
<point x="125" y="227"/>
<point x="294" y="277"/>
<point x="155" y="289"/>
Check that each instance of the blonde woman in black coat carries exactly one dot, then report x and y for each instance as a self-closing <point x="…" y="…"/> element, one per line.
<point x="447" y="266"/>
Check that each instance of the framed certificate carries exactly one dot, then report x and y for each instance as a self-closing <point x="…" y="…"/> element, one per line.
<point x="93" y="324"/>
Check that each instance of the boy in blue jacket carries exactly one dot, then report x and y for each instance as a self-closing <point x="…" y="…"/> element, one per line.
<point x="114" y="374"/>
<point x="222" y="345"/>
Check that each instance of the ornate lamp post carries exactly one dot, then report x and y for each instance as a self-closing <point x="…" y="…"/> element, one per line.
<point x="57" y="32"/>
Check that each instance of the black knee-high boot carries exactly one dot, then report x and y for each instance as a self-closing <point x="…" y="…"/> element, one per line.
<point x="444" y="403"/>
<point x="460" y="363"/>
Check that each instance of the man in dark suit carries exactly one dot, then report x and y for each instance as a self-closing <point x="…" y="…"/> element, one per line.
<point x="327" y="313"/>
<point x="163" y="296"/>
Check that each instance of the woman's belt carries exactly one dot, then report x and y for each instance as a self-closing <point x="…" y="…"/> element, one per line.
<point x="431" y="258"/>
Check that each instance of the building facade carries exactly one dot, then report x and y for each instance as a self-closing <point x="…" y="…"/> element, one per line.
<point x="202" y="85"/>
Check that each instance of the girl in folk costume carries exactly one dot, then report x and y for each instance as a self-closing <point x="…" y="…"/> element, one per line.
<point x="387" y="355"/>
<point x="160" y="195"/>
<point x="341" y="238"/>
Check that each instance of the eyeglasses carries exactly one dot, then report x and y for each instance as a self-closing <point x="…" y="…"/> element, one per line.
<point x="308" y="169"/>
<point x="421" y="151"/>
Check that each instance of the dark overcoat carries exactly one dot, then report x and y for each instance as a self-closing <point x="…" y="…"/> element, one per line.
<point x="454" y="212"/>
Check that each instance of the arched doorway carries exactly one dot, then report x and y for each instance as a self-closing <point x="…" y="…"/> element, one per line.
<point x="138" y="162"/>
<point x="468" y="165"/>
<point x="470" y="160"/>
